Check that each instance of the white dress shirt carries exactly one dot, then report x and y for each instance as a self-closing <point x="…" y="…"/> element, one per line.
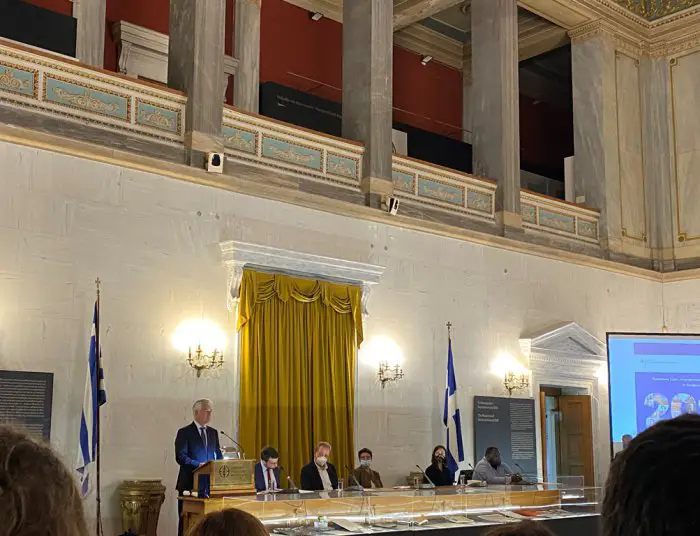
<point x="199" y="431"/>
<point x="323" y="472"/>
<point x="265" y="477"/>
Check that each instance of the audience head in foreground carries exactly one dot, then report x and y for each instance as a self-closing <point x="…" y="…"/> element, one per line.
<point x="38" y="496"/>
<point x="229" y="522"/>
<point x="524" y="528"/>
<point x="648" y="493"/>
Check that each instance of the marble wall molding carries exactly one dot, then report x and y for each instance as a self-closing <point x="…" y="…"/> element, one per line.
<point x="687" y="224"/>
<point x="570" y="356"/>
<point x="631" y="180"/>
<point x="238" y="255"/>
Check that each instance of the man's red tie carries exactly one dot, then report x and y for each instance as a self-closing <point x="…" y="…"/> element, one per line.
<point x="269" y="478"/>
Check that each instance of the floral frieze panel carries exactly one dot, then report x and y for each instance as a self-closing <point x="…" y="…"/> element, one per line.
<point x="655" y="9"/>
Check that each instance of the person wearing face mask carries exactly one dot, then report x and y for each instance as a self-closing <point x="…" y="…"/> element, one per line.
<point x="364" y="474"/>
<point x="438" y="472"/>
<point x="319" y="475"/>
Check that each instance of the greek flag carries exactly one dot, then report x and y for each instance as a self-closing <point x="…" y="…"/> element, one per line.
<point x="95" y="396"/>
<point x="451" y="418"/>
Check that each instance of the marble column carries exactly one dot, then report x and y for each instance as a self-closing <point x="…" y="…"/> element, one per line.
<point x="196" y="66"/>
<point x="658" y="160"/>
<point x="467" y="100"/>
<point x="90" y="36"/>
<point x="596" y="162"/>
<point x="495" y="102"/>
<point x="367" y="90"/>
<point x="246" y="82"/>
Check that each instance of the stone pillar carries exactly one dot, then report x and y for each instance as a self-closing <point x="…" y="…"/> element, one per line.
<point x="90" y="35"/>
<point x="496" y="104"/>
<point x="596" y="162"/>
<point x="467" y="119"/>
<point x="196" y="66"/>
<point x="246" y="82"/>
<point x="367" y="90"/>
<point x="658" y="160"/>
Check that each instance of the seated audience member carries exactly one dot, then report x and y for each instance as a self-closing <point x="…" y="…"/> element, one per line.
<point x="319" y="475"/>
<point x="38" y="495"/>
<point x="267" y="473"/>
<point x="626" y="440"/>
<point x="364" y="474"/>
<point x="491" y="469"/>
<point x="438" y="472"/>
<point x="229" y="522"/>
<point x="524" y="528"/>
<point x="649" y="488"/>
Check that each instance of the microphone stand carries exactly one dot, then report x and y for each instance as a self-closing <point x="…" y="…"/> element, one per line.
<point x="290" y="482"/>
<point x="357" y="486"/>
<point x="430" y="484"/>
<point x="235" y="443"/>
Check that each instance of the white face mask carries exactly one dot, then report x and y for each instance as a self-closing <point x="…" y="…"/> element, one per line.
<point x="321" y="460"/>
<point x="365" y="463"/>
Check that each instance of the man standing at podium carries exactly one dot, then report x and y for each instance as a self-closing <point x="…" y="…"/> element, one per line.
<point x="195" y="444"/>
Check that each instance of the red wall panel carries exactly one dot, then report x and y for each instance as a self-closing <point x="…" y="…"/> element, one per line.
<point x="64" y="7"/>
<point x="427" y="96"/>
<point x="300" y="53"/>
<point x="546" y="133"/>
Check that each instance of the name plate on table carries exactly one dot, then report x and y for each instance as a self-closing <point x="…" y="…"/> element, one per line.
<point x="228" y="476"/>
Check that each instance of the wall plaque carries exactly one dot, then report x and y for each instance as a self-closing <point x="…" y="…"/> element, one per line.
<point x="25" y="400"/>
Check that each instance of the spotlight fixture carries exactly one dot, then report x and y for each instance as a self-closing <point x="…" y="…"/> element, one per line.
<point x="425" y="60"/>
<point x="315" y="16"/>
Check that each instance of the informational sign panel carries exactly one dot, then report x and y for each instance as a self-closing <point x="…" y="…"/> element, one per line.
<point x="25" y="400"/>
<point x="509" y="425"/>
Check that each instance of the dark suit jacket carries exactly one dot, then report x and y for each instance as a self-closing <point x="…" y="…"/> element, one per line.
<point x="311" y="480"/>
<point x="261" y="478"/>
<point x="366" y="477"/>
<point x="190" y="452"/>
<point x="440" y="478"/>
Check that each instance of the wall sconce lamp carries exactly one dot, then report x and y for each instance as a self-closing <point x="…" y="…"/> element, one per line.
<point x="204" y="343"/>
<point x="515" y="382"/>
<point x="389" y="373"/>
<point x="425" y="60"/>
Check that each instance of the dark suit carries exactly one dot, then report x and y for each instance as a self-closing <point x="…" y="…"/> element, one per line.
<point x="261" y="477"/>
<point x="189" y="453"/>
<point x="311" y="479"/>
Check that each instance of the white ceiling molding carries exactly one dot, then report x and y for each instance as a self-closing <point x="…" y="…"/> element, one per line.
<point x="239" y="255"/>
<point x="407" y="12"/>
<point x="144" y="53"/>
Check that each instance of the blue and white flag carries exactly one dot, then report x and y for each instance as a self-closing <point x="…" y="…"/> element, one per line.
<point x="95" y="396"/>
<point x="451" y="418"/>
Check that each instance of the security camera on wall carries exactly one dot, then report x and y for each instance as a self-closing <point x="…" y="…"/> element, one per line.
<point x="391" y="204"/>
<point x="215" y="162"/>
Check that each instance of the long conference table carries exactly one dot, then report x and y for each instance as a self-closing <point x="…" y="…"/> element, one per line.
<point x="460" y="511"/>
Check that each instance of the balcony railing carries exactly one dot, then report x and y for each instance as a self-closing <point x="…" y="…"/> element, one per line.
<point x="62" y="88"/>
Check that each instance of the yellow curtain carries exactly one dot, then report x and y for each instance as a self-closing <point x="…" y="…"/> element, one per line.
<point x="298" y="344"/>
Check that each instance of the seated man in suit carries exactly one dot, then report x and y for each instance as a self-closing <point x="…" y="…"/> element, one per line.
<point x="195" y="445"/>
<point x="267" y="474"/>
<point x="319" y="475"/>
<point x="364" y="474"/>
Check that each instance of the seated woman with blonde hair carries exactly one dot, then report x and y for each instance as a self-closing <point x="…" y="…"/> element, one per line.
<point x="231" y="522"/>
<point x="38" y="496"/>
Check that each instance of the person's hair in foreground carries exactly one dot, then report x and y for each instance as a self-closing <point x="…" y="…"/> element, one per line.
<point x="524" y="528"/>
<point x="649" y="489"/>
<point x="38" y="496"/>
<point x="231" y="522"/>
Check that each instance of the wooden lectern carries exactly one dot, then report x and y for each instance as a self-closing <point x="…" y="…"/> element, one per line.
<point x="228" y="477"/>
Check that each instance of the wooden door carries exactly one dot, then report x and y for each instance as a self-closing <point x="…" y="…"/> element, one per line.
<point x="543" y="433"/>
<point x="576" y="437"/>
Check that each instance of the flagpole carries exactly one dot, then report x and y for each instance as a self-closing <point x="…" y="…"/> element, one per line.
<point x="98" y="525"/>
<point x="449" y="330"/>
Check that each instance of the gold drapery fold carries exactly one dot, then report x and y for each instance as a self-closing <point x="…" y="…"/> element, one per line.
<point x="297" y="375"/>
